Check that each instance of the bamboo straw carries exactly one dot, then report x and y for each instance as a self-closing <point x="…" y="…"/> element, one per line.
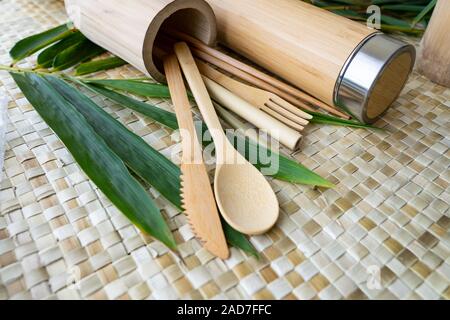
<point x="255" y="73"/>
<point x="233" y="121"/>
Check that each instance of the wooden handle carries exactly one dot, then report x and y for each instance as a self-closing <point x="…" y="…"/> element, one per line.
<point x="287" y="136"/>
<point x="192" y="152"/>
<point x="200" y="93"/>
<point x="129" y="28"/>
<point x="241" y="127"/>
<point x="434" y="55"/>
<point x="305" y="45"/>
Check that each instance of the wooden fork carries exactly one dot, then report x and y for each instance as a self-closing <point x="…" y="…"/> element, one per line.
<point x="266" y="101"/>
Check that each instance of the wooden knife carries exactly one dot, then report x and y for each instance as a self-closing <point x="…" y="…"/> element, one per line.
<point x="197" y="196"/>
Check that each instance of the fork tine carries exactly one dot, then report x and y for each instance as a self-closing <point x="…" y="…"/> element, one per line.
<point x="290" y="107"/>
<point x="285" y="113"/>
<point x="282" y="118"/>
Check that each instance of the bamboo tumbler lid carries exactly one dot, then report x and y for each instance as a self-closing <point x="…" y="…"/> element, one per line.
<point x="130" y="28"/>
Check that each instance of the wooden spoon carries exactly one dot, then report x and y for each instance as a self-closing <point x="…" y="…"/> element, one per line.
<point x="243" y="195"/>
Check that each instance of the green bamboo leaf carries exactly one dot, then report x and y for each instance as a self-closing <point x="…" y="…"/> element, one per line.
<point x="351" y="14"/>
<point x="408" y="30"/>
<point x="423" y="13"/>
<point x="396" y="17"/>
<point x="142" y="159"/>
<point x="382" y="2"/>
<point x="46" y="57"/>
<point x="162" y="116"/>
<point x="403" y="7"/>
<point x="140" y="88"/>
<point x="92" y="154"/>
<point x="320" y="3"/>
<point x="327" y="119"/>
<point x="289" y="170"/>
<point x="146" y="162"/>
<point x="26" y="47"/>
<point x="80" y="52"/>
<point x="386" y="19"/>
<point x="330" y="122"/>
<point x="355" y="2"/>
<point x="99" y="65"/>
<point x="236" y="239"/>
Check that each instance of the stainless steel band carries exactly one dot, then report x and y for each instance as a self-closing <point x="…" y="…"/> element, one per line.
<point x="362" y="70"/>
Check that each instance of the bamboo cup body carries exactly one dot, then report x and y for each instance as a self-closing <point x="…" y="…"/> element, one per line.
<point x="326" y="55"/>
<point x="434" y="57"/>
<point x="129" y="28"/>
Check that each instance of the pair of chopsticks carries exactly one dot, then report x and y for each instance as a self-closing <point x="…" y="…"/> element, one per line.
<point x="257" y="78"/>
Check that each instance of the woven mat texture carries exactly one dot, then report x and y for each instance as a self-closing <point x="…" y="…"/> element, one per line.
<point x="382" y="233"/>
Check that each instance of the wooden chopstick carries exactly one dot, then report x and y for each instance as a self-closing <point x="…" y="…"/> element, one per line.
<point x="256" y="73"/>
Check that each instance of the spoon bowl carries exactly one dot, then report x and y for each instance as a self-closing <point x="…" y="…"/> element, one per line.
<point x="245" y="198"/>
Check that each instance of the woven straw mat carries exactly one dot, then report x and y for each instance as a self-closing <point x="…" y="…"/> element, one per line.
<point x="382" y="233"/>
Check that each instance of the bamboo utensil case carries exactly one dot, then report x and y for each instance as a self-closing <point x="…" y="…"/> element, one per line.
<point x="339" y="61"/>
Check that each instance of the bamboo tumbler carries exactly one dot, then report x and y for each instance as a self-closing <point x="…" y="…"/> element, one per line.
<point x="339" y="61"/>
<point x="434" y="54"/>
<point x="129" y="28"/>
